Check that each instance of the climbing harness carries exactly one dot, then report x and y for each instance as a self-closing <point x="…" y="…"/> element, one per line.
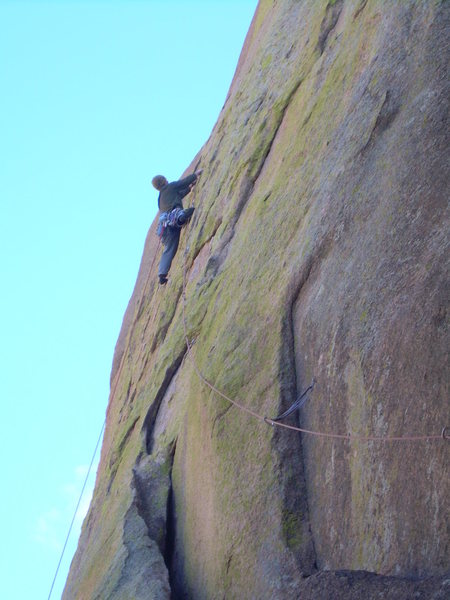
<point x="169" y="219"/>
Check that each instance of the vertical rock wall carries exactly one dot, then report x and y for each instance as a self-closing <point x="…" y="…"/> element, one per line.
<point x="317" y="249"/>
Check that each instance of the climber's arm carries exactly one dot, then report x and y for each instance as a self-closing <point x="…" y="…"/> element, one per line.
<point x="184" y="183"/>
<point x="184" y="186"/>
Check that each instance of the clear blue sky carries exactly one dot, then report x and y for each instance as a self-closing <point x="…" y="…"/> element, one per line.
<point x="96" y="97"/>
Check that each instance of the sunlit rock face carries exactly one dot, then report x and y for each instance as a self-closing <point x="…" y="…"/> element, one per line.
<point x="317" y="250"/>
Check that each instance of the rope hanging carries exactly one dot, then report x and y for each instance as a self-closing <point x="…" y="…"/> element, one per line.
<point x="76" y="509"/>
<point x="445" y="433"/>
<point x="113" y="391"/>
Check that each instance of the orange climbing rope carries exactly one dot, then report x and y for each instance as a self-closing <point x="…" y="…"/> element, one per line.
<point x="445" y="434"/>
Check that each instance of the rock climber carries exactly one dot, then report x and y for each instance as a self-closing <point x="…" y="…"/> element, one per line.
<point x="173" y="216"/>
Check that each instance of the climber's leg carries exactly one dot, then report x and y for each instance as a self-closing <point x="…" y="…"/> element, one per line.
<point x="185" y="216"/>
<point x="171" y="239"/>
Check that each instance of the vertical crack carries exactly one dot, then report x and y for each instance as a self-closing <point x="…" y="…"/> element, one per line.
<point x="296" y="521"/>
<point x="387" y="112"/>
<point x="280" y="108"/>
<point x="171" y="528"/>
<point x="332" y="13"/>
<point x="152" y="412"/>
<point x="154" y="502"/>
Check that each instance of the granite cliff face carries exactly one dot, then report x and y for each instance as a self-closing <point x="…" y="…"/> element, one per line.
<point x="318" y="248"/>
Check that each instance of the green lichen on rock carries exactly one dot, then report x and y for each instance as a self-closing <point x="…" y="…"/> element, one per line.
<point x="316" y="249"/>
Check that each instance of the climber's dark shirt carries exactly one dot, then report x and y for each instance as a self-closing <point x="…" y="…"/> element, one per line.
<point x="172" y="194"/>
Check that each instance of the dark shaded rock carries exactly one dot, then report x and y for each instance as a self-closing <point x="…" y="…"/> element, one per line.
<point x="355" y="585"/>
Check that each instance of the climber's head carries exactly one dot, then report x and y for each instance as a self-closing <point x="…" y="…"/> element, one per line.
<point x="159" y="182"/>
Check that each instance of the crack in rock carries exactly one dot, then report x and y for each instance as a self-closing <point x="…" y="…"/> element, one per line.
<point x="386" y="115"/>
<point x="155" y="405"/>
<point x="140" y="564"/>
<point x="332" y="13"/>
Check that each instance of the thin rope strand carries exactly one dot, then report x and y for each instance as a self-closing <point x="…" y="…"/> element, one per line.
<point x="338" y="436"/>
<point x="113" y="392"/>
<point x="77" y="507"/>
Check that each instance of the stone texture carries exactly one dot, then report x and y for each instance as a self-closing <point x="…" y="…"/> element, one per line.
<point x="354" y="585"/>
<point x="318" y="248"/>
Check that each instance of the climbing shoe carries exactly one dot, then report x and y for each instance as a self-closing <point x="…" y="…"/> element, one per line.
<point x="185" y="216"/>
<point x="163" y="279"/>
<point x="189" y="212"/>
